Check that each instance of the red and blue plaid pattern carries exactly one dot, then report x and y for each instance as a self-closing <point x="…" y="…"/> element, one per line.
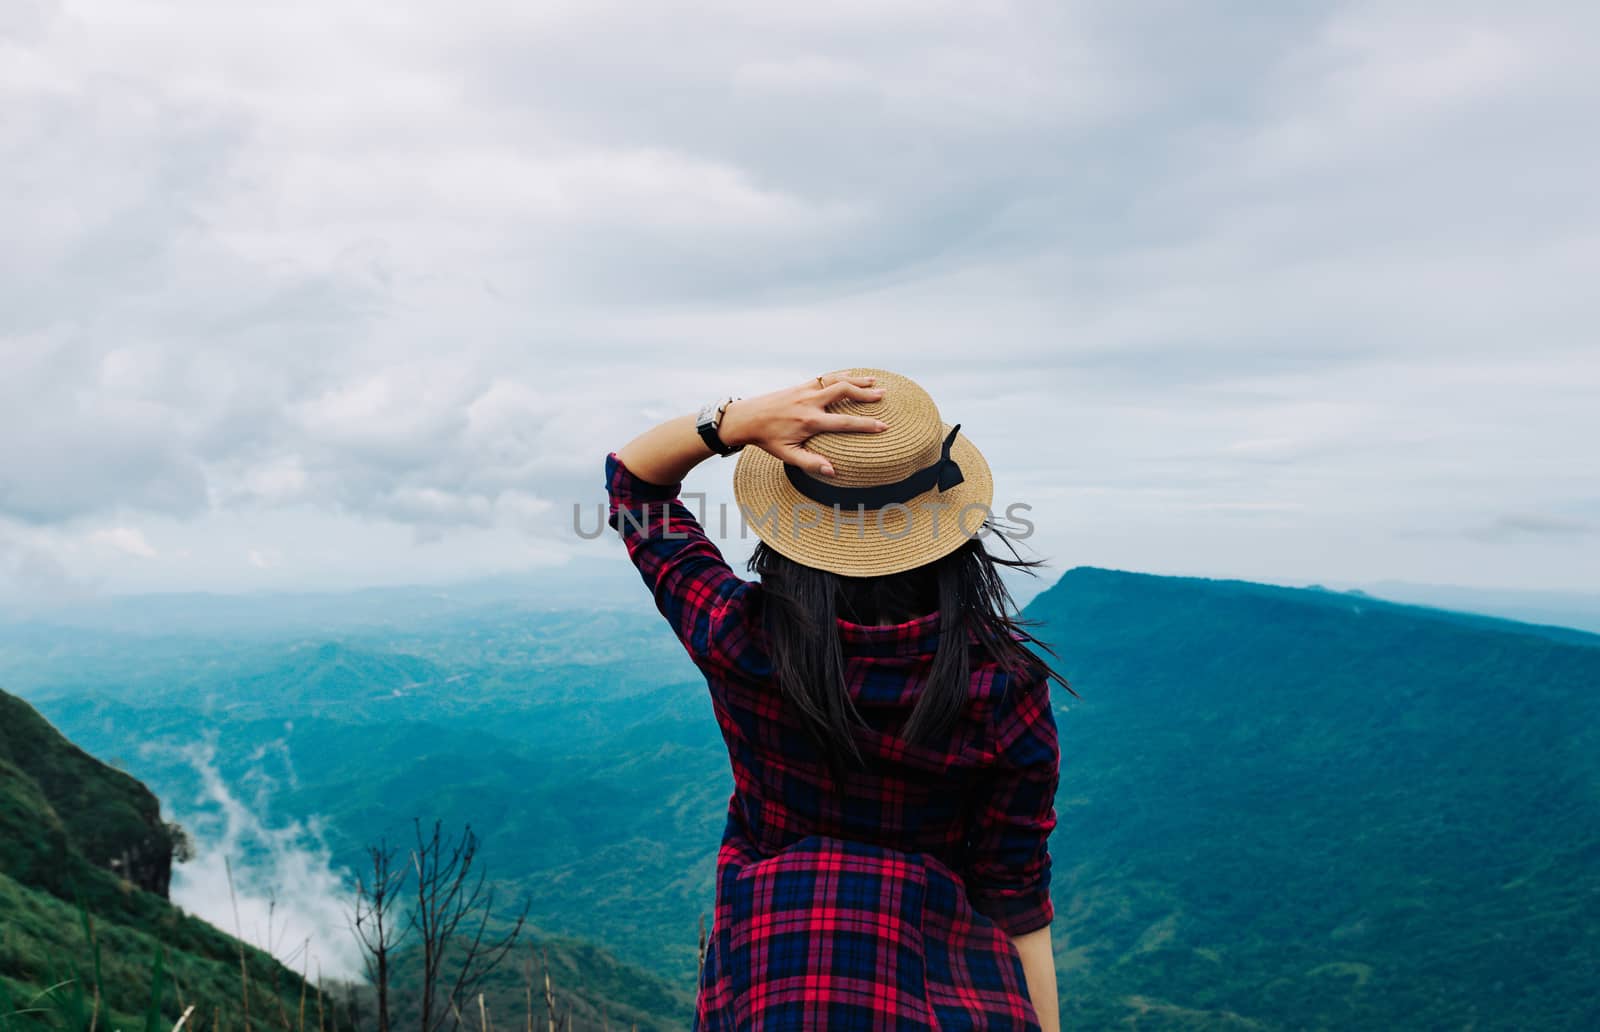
<point x="889" y="905"/>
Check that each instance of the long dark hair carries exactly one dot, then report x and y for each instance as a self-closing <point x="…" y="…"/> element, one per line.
<point x="800" y="604"/>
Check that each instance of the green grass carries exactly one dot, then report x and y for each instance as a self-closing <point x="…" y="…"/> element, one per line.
<point x="51" y="969"/>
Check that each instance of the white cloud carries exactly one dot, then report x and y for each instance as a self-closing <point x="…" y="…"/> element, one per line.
<point x="381" y="285"/>
<point x="272" y="885"/>
<point x="126" y="540"/>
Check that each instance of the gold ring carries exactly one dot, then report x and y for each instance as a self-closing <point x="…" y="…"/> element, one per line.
<point x="819" y="381"/>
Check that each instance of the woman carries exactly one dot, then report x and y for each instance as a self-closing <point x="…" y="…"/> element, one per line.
<point x="884" y="864"/>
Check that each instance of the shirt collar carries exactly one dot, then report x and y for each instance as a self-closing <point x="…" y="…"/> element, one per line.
<point x="911" y="638"/>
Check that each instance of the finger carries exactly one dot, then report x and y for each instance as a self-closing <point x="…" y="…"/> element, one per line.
<point x="809" y="461"/>
<point x="831" y="421"/>
<point x="829" y="379"/>
<point x="848" y="389"/>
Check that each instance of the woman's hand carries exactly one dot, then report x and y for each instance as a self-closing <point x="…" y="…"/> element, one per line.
<point x="777" y="423"/>
<point x="781" y="422"/>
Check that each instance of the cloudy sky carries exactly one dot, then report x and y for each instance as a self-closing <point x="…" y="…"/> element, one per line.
<point x="343" y="292"/>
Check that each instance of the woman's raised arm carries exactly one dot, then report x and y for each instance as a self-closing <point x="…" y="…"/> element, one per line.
<point x="779" y="423"/>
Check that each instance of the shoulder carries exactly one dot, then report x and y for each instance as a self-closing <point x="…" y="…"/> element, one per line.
<point x="1018" y="710"/>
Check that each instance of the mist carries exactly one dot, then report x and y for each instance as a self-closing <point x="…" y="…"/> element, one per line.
<point x="274" y="886"/>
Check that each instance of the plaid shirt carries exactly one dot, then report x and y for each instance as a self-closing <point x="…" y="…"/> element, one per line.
<point x="887" y="906"/>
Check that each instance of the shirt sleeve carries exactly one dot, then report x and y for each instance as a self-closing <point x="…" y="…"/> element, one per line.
<point x="1008" y="877"/>
<point x="694" y="587"/>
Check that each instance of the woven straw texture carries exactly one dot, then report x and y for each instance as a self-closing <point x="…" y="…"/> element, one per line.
<point x="874" y="542"/>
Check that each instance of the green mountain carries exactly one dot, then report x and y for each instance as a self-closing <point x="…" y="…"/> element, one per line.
<point x="1298" y="809"/>
<point x="85" y="861"/>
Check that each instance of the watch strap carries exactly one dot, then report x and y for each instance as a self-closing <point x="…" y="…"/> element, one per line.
<point x="710" y="421"/>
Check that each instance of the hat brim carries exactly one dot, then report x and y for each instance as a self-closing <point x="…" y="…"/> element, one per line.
<point x="874" y="543"/>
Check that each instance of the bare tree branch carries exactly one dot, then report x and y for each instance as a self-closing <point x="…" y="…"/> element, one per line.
<point x="378" y="929"/>
<point x="457" y="939"/>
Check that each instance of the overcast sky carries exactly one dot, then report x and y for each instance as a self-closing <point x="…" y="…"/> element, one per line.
<point x="321" y="294"/>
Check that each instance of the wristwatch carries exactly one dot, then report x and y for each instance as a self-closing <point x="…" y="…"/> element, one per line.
<point x="708" y="422"/>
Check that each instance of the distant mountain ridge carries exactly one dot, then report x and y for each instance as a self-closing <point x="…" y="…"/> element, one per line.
<point x="1558" y="608"/>
<point x="1294" y="808"/>
<point x="1354" y="599"/>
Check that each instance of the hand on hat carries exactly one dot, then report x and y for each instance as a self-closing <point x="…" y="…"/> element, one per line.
<point x="781" y="422"/>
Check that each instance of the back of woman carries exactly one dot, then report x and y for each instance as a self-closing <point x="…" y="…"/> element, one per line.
<point x="884" y="862"/>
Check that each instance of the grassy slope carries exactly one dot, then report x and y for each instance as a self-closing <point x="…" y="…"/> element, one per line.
<point x="590" y="984"/>
<point x="43" y="943"/>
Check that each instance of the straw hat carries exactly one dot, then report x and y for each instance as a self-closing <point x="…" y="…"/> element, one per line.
<point x="896" y="501"/>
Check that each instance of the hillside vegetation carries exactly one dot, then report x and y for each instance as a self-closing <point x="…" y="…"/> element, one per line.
<point x="84" y="865"/>
<point x="1298" y="809"/>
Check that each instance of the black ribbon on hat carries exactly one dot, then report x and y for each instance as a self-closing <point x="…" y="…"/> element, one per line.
<point x="943" y="474"/>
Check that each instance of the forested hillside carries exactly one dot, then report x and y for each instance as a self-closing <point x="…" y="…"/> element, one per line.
<point x="1299" y="809"/>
